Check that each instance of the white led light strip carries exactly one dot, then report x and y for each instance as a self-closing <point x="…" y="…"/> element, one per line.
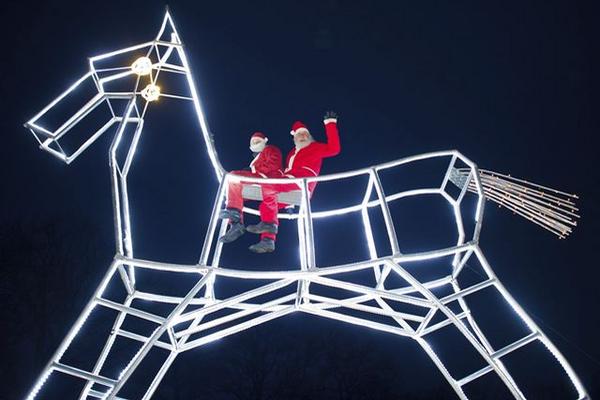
<point x="186" y="328"/>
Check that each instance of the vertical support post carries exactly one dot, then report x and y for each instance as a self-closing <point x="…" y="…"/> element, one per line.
<point x="367" y="227"/>
<point x="219" y="247"/>
<point x="460" y="228"/>
<point x="117" y="195"/>
<point x="212" y="225"/>
<point x="448" y="172"/>
<point x="210" y="285"/>
<point x="480" y="200"/>
<point x="302" y="238"/>
<point x="455" y="205"/>
<point x="306" y="242"/>
<point x="114" y="166"/>
<point x="380" y="274"/>
<point x="127" y="240"/>
<point x="308" y="226"/>
<point x="387" y="216"/>
<point x="127" y="234"/>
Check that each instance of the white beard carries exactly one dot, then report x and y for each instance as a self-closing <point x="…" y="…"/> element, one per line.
<point x="257" y="148"/>
<point x="303" y="144"/>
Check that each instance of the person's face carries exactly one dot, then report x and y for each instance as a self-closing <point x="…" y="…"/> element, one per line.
<point x="301" y="137"/>
<point x="257" y="145"/>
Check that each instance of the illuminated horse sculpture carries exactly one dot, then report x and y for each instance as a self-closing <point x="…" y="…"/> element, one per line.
<point x="433" y="304"/>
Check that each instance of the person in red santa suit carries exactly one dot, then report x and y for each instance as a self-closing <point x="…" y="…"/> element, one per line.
<point x="304" y="160"/>
<point x="266" y="164"/>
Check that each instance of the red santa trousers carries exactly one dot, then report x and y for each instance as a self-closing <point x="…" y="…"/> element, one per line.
<point x="234" y="192"/>
<point x="269" y="206"/>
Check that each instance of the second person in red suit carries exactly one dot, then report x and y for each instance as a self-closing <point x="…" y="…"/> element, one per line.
<point x="266" y="164"/>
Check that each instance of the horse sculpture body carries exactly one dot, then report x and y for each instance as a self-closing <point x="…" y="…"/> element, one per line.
<point x="432" y="304"/>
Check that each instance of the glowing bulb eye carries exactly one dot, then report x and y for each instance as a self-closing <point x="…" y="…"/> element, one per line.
<point x="142" y="66"/>
<point x="151" y="92"/>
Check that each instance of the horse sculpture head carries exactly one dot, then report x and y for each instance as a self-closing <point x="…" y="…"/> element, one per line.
<point x="118" y="89"/>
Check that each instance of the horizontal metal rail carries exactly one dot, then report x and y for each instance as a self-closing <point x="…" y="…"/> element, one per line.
<point x="438" y="325"/>
<point x="144" y="339"/>
<point x="367" y="290"/>
<point x="475" y="375"/>
<point x="237" y="328"/>
<point x="88" y="376"/>
<point x="365" y="308"/>
<point x="233" y="300"/>
<point x="467" y="291"/>
<point x="130" y="310"/>
<point x="234" y="316"/>
<point x="295" y="273"/>
<point x="101" y="395"/>
<point x="496" y="355"/>
<point x="516" y="345"/>
<point x="308" y="308"/>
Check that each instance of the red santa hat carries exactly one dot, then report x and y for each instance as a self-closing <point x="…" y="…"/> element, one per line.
<point x="259" y="135"/>
<point x="298" y="127"/>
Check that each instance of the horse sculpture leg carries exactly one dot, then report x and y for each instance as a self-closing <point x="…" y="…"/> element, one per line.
<point x="419" y="294"/>
<point x="137" y="359"/>
<point x="107" y="347"/>
<point x="466" y="324"/>
<point x="493" y="364"/>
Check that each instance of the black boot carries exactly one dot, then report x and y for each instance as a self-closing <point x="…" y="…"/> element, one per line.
<point x="235" y="231"/>
<point x="265" y="245"/>
<point x="262" y="227"/>
<point x="233" y="214"/>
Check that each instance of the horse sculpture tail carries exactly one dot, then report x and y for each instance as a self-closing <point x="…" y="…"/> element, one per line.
<point x="549" y="208"/>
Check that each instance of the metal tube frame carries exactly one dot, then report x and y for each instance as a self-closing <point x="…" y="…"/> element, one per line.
<point x="186" y="330"/>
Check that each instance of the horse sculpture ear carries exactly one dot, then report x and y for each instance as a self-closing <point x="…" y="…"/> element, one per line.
<point x="168" y="32"/>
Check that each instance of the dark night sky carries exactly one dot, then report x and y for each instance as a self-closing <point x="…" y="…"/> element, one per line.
<point x="512" y="85"/>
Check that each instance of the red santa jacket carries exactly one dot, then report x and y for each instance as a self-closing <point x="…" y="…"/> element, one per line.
<point x="308" y="160"/>
<point x="267" y="163"/>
